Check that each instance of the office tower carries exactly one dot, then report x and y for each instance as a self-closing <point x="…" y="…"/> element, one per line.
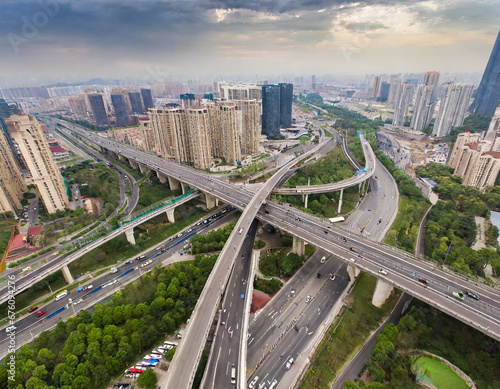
<point x="120" y="107"/>
<point x="423" y="108"/>
<point x="402" y="104"/>
<point x="30" y="142"/>
<point x="455" y="99"/>
<point x="12" y="185"/>
<point x="376" y="86"/>
<point x="147" y="99"/>
<point x="136" y="102"/>
<point x="383" y="92"/>
<point x="286" y="99"/>
<point x="488" y="93"/>
<point x="313" y="82"/>
<point x="98" y="108"/>
<point x="431" y="78"/>
<point x="250" y="125"/>
<point x="271" y="110"/>
<point x="4" y="109"/>
<point x="78" y="106"/>
<point x="187" y="100"/>
<point x="224" y="135"/>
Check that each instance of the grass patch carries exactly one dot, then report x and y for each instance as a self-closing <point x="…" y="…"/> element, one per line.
<point x="346" y="336"/>
<point x="147" y="235"/>
<point x="438" y="374"/>
<point x="5" y="233"/>
<point x="270" y="287"/>
<point x="309" y="250"/>
<point x="259" y="244"/>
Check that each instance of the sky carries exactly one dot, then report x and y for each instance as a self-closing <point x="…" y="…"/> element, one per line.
<point x="81" y="39"/>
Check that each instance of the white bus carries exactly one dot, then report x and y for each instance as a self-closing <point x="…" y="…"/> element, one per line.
<point x="336" y="219"/>
<point x="61" y="295"/>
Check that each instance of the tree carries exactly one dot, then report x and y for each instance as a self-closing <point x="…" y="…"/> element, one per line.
<point x="147" y="379"/>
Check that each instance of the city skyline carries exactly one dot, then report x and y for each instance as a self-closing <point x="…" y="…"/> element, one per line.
<point x="145" y="39"/>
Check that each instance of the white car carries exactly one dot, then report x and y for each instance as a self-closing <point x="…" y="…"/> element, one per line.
<point x="323" y="260"/>
<point x="254" y="381"/>
<point x="289" y="363"/>
<point x="308" y="298"/>
<point x="382" y="271"/>
<point x="240" y="230"/>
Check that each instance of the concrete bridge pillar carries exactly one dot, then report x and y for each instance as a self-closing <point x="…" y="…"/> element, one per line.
<point x="143" y="169"/>
<point x="173" y="183"/>
<point x="130" y="235"/>
<point x="170" y="215"/>
<point x="298" y="246"/>
<point x="67" y="274"/>
<point x="353" y="272"/>
<point x="305" y="199"/>
<point x="161" y="177"/>
<point x="185" y="188"/>
<point x="134" y="164"/>
<point x="211" y="201"/>
<point x="382" y="292"/>
<point x="121" y="157"/>
<point x="340" y="200"/>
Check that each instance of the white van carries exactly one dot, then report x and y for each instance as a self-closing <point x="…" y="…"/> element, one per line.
<point x="114" y="270"/>
<point x="233" y="374"/>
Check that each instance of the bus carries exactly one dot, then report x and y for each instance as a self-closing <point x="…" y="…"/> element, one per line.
<point x="61" y="295"/>
<point x="336" y="219"/>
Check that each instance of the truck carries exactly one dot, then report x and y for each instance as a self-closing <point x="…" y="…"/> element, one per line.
<point x="336" y="219"/>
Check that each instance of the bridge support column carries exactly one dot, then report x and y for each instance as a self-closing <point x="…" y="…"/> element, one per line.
<point x="170" y="215"/>
<point x="382" y="292"/>
<point x="130" y="236"/>
<point x="211" y="201"/>
<point x="353" y="272"/>
<point x="67" y="274"/>
<point x="121" y="157"/>
<point x="143" y="169"/>
<point x="134" y="164"/>
<point x="173" y="183"/>
<point x="340" y="200"/>
<point x="298" y="246"/>
<point x="305" y="198"/>
<point x="185" y="188"/>
<point x="161" y="177"/>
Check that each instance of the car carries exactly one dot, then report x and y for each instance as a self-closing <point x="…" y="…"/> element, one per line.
<point x="308" y="298"/>
<point x="179" y="235"/>
<point x="80" y="288"/>
<point x="158" y="248"/>
<point x="199" y="223"/>
<point x="190" y="230"/>
<point x="472" y="295"/>
<point x="222" y="323"/>
<point x="40" y="313"/>
<point x="253" y="382"/>
<point x="34" y="209"/>
<point x="289" y="363"/>
<point x="178" y="336"/>
<point x="382" y="271"/>
<point x="423" y="280"/>
<point x="351" y="248"/>
<point x="318" y="275"/>
<point x="33" y="309"/>
<point x="128" y="262"/>
<point x="323" y="259"/>
<point x="292" y="291"/>
<point x="224" y="210"/>
<point x="332" y="277"/>
<point x="240" y="230"/>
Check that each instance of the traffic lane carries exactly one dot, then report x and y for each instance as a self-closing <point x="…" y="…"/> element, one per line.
<point x="229" y="333"/>
<point x="269" y="329"/>
<point x="297" y="338"/>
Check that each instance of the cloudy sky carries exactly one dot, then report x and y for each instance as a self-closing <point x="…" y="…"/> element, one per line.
<point x="115" y="38"/>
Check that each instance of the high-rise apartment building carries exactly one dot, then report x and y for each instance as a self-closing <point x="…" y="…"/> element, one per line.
<point x="198" y="135"/>
<point x="431" y="78"/>
<point x="423" y="108"/>
<point x="4" y="109"/>
<point x="31" y="143"/>
<point x="394" y="89"/>
<point x="402" y="104"/>
<point x="249" y="121"/>
<point x="224" y="134"/>
<point x="136" y="102"/>
<point x="187" y="100"/>
<point x="383" y="91"/>
<point x="147" y="99"/>
<point x="12" y="185"/>
<point x="98" y="107"/>
<point x="455" y="100"/>
<point x="286" y="99"/>
<point x="120" y="108"/>
<point x="459" y="147"/>
<point x="240" y="92"/>
<point x="78" y="106"/>
<point x="271" y="110"/>
<point x="488" y="93"/>
<point x="376" y="86"/>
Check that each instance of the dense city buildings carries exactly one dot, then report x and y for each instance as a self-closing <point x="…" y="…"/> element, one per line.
<point x="30" y="142"/>
<point x="136" y="102"/>
<point x="455" y="99"/>
<point x="4" y="109"/>
<point x="120" y="108"/>
<point x="240" y="91"/>
<point x="376" y="86"/>
<point x="402" y="104"/>
<point x="394" y="89"/>
<point x="12" y="185"/>
<point x="488" y="93"/>
<point x="98" y="107"/>
<point x="224" y="135"/>
<point x="78" y="106"/>
<point x="383" y="92"/>
<point x="423" y="107"/>
<point x="147" y="98"/>
<point x="249" y="122"/>
<point x="431" y="78"/>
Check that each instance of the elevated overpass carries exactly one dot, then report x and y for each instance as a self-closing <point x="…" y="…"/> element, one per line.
<point x="403" y="269"/>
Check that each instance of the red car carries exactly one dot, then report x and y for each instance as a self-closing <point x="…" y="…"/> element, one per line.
<point x="33" y="309"/>
<point x="40" y="313"/>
